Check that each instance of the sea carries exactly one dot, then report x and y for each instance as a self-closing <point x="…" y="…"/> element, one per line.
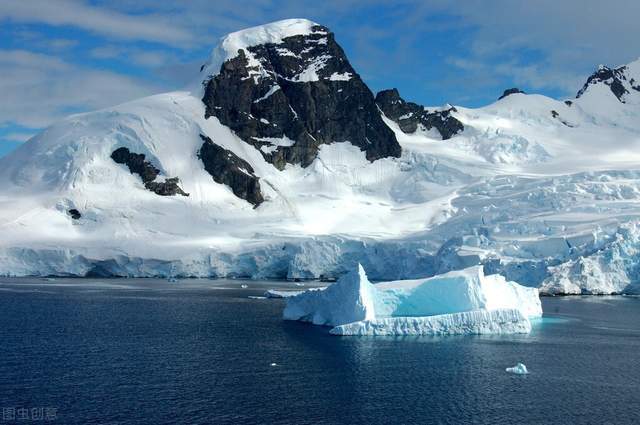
<point x="151" y="351"/>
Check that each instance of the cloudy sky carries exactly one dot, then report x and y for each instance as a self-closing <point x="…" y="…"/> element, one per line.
<point x="59" y="57"/>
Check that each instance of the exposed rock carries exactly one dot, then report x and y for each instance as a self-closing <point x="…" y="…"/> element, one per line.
<point x="287" y="99"/>
<point x="614" y="78"/>
<point x="169" y="187"/>
<point x="409" y="116"/>
<point x="75" y="214"/>
<point x="136" y="163"/>
<point x="148" y="173"/>
<point x="227" y="168"/>
<point x="509" y="92"/>
<point x="556" y="115"/>
<point x="568" y="102"/>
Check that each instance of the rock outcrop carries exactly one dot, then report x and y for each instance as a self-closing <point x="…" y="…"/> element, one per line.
<point x="410" y="116"/>
<point x="137" y="164"/>
<point x="227" y="168"/>
<point x="74" y="214"/>
<point x="509" y="92"/>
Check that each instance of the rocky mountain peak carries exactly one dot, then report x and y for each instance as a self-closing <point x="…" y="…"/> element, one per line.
<point x="411" y="117"/>
<point x="288" y="89"/>
<point x="231" y="44"/>
<point x="620" y="81"/>
<point x="509" y="92"/>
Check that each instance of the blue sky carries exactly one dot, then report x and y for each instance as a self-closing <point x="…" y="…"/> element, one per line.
<point x="59" y="57"/>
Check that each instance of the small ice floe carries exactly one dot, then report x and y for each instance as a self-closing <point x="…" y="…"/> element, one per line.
<point x="299" y="284"/>
<point x="272" y="293"/>
<point x="518" y="369"/>
<point x="244" y="286"/>
<point x="254" y="297"/>
<point x="274" y="364"/>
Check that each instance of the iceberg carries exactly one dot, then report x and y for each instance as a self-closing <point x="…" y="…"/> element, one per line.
<point x="351" y="299"/>
<point x="460" y="302"/>
<point x="273" y="293"/>
<point x="501" y="321"/>
<point x="518" y="369"/>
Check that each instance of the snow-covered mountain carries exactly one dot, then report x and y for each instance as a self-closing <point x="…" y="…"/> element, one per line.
<point x="280" y="162"/>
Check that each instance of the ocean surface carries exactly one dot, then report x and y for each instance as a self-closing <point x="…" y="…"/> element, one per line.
<point x="87" y="351"/>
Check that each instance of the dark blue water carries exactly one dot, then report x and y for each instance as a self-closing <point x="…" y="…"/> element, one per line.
<point x="154" y="352"/>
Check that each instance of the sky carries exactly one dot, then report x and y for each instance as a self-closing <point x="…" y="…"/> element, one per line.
<point x="59" y="57"/>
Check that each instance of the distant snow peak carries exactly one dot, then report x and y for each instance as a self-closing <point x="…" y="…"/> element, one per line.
<point x="617" y="79"/>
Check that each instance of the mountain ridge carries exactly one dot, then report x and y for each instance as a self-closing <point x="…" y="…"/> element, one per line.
<point x="522" y="185"/>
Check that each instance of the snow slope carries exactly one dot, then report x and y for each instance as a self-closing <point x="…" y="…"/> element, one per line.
<point x="530" y="188"/>
<point x="458" y="302"/>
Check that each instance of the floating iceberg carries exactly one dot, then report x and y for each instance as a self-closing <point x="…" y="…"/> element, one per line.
<point x="273" y="293"/>
<point x="458" y="302"/>
<point x="518" y="369"/>
<point x="501" y="321"/>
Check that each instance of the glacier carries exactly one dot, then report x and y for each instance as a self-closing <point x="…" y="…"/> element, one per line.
<point x="545" y="192"/>
<point x="459" y="302"/>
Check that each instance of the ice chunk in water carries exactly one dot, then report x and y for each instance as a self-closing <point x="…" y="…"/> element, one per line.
<point x="518" y="369"/>
<point x="459" y="302"/>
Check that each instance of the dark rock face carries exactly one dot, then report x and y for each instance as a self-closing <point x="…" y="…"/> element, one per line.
<point x="614" y="78"/>
<point x="169" y="187"/>
<point x="409" y="115"/>
<point x="511" y="91"/>
<point x="148" y="173"/>
<point x="556" y="115"/>
<point x="303" y="91"/>
<point x="568" y="102"/>
<point x="227" y="168"/>
<point x="75" y="214"/>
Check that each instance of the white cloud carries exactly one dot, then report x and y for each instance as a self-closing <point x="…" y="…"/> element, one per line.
<point x="533" y="76"/>
<point x="36" y="39"/>
<point x="38" y="89"/>
<point x="566" y="38"/>
<point x="391" y="43"/>
<point x="143" y="57"/>
<point x="97" y="20"/>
